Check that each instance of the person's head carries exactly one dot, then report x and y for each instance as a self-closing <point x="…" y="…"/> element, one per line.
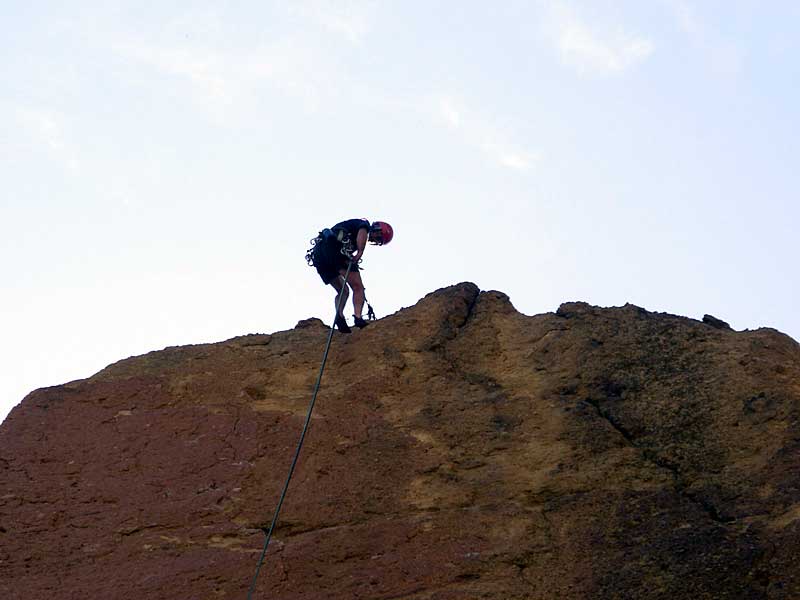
<point x="380" y="233"/>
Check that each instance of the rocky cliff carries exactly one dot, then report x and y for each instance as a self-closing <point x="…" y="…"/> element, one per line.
<point x="458" y="450"/>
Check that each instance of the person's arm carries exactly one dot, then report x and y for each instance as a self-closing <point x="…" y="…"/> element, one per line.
<point x="361" y="243"/>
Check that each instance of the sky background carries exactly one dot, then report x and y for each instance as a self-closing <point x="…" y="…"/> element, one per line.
<point x="164" y="165"/>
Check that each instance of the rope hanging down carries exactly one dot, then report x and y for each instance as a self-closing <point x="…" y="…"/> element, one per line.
<point x="302" y="438"/>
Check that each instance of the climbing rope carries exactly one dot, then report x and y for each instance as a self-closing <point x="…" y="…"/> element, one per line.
<point x="302" y="438"/>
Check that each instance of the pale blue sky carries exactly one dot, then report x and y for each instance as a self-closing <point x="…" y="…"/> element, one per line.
<point x="163" y="167"/>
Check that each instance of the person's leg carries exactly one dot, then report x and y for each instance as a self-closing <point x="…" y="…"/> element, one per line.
<point x="354" y="279"/>
<point x="342" y="294"/>
<point x="341" y="300"/>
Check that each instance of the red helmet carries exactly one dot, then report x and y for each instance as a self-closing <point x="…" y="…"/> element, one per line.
<point x="381" y="233"/>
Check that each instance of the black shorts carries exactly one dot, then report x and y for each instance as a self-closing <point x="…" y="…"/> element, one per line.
<point x="328" y="259"/>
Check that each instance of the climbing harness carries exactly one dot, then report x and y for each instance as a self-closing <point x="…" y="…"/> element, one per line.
<point x="325" y="237"/>
<point x="268" y="533"/>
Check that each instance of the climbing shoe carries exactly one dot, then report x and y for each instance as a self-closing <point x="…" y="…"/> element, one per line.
<point x="341" y="324"/>
<point x="359" y="322"/>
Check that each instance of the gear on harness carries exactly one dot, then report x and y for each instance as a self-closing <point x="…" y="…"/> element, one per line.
<point x="326" y="236"/>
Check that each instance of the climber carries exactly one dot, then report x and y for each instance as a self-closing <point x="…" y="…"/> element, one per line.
<point x="333" y="249"/>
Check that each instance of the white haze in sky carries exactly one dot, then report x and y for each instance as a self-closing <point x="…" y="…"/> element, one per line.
<point x="163" y="165"/>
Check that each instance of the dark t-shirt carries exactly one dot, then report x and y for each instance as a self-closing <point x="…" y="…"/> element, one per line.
<point x="352" y="226"/>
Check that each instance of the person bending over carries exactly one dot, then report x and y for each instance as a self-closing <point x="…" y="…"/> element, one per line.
<point x="333" y="249"/>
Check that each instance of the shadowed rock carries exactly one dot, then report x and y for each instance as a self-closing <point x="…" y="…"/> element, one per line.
<point x="715" y="322"/>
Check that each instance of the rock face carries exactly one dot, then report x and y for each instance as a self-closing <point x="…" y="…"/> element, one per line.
<point x="458" y="450"/>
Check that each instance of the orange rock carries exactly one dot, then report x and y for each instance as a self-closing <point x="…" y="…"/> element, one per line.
<point x="458" y="450"/>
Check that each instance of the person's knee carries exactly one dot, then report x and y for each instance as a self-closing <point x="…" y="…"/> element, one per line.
<point x="357" y="285"/>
